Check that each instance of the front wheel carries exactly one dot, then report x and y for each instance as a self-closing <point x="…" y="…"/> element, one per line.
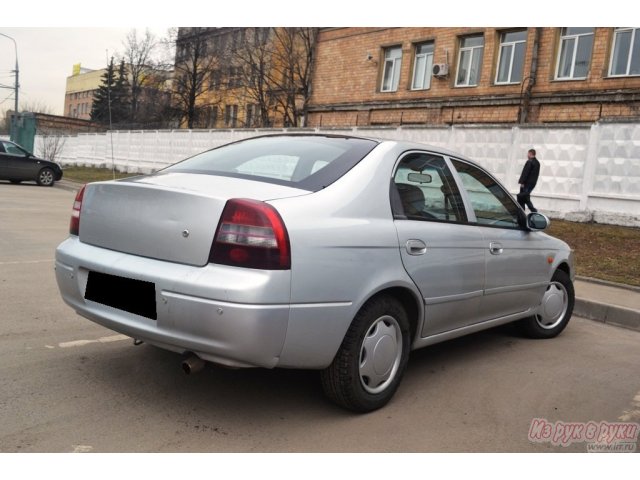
<point x="373" y="356"/>
<point x="555" y="309"/>
<point x="45" y="177"/>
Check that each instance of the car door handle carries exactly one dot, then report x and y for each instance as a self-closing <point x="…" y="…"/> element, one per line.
<point x="416" y="247"/>
<point x="495" y="248"/>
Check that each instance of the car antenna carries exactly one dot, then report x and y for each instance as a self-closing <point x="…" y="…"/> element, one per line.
<point x="113" y="164"/>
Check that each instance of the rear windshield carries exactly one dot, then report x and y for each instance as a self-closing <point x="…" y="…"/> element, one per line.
<point x="309" y="162"/>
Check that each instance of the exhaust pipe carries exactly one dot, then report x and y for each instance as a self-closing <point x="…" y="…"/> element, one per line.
<point x="192" y="364"/>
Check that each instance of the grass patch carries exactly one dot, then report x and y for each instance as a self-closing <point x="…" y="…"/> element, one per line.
<point x="607" y="252"/>
<point x="92" y="174"/>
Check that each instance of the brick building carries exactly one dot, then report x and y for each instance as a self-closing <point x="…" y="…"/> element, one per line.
<point x="81" y="86"/>
<point x="394" y="76"/>
<point x="243" y="76"/>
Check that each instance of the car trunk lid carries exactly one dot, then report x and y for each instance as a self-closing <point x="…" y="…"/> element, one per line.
<point x="170" y="216"/>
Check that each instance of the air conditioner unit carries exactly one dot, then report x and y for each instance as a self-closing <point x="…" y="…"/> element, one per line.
<point x="440" y="70"/>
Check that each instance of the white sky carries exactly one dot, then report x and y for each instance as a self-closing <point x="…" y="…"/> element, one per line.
<point x="46" y="57"/>
<point x="53" y="36"/>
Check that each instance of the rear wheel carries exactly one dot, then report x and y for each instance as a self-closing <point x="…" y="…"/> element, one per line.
<point x="373" y="356"/>
<point x="555" y="309"/>
<point x="45" y="177"/>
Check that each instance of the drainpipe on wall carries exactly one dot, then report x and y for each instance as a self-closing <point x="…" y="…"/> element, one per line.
<point x="524" y="107"/>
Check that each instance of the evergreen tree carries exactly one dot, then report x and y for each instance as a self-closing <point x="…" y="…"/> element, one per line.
<point x="100" y="107"/>
<point x="115" y="89"/>
<point x="121" y="97"/>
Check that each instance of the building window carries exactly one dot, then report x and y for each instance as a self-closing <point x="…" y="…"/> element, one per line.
<point x="263" y="34"/>
<point x="231" y="116"/>
<point x="575" y="53"/>
<point x="250" y="120"/>
<point x="470" y="61"/>
<point x="422" y="67"/>
<point x="214" y="79"/>
<point x="513" y="46"/>
<point x="235" y="77"/>
<point x="625" y="60"/>
<point x="391" y="69"/>
<point x="213" y="117"/>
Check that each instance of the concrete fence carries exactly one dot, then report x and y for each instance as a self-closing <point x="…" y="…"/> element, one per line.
<point x="588" y="172"/>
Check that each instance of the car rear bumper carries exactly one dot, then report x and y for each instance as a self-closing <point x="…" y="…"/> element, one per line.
<point x="230" y="316"/>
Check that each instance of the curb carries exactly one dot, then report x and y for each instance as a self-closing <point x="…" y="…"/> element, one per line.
<point x="607" y="283"/>
<point x="609" y="314"/>
<point x="68" y="185"/>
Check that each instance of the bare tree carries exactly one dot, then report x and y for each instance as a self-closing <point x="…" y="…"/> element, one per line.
<point x="293" y="51"/>
<point x="255" y="63"/>
<point x="51" y="144"/>
<point x="277" y="63"/>
<point x="194" y="64"/>
<point x="138" y="55"/>
<point x="36" y="106"/>
<point x="4" y="122"/>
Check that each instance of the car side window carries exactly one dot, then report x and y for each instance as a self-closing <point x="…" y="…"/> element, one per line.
<point x="11" y="149"/>
<point x="490" y="202"/>
<point x="423" y="188"/>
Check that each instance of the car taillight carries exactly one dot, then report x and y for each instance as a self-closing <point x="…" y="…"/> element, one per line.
<point x="74" y="226"/>
<point x="251" y="234"/>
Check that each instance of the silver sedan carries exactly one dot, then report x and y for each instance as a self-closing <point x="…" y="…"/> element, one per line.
<point x="324" y="252"/>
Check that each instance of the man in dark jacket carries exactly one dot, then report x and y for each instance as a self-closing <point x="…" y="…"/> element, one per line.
<point x="528" y="180"/>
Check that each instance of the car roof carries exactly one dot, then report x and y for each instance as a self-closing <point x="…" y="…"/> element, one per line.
<point x="407" y="145"/>
<point x="403" y="144"/>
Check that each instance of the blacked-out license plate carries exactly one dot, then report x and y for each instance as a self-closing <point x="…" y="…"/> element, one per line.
<point x="133" y="296"/>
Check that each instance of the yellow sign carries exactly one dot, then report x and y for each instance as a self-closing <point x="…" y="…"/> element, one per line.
<point x="76" y="69"/>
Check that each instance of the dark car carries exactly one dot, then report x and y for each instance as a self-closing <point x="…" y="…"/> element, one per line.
<point x="18" y="165"/>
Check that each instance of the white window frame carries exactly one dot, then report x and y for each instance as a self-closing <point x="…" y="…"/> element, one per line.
<point x="428" y="70"/>
<point x="396" y="65"/>
<point x="231" y="116"/>
<point x="513" y="52"/>
<point x="634" y="31"/>
<point x="474" y="52"/>
<point x="564" y="38"/>
<point x="249" y="115"/>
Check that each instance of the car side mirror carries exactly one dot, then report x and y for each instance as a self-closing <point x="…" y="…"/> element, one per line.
<point x="537" y="222"/>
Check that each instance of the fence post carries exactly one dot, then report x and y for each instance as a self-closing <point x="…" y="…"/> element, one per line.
<point x="511" y="170"/>
<point x="590" y="164"/>
<point x="451" y="141"/>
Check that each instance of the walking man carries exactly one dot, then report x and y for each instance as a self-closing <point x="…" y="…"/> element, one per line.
<point x="528" y="180"/>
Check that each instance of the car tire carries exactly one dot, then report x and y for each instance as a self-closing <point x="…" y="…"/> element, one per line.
<point x="555" y="310"/>
<point x="378" y="340"/>
<point x="46" y="177"/>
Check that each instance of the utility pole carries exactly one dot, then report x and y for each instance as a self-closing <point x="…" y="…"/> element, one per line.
<point x="16" y="88"/>
<point x="17" y="71"/>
